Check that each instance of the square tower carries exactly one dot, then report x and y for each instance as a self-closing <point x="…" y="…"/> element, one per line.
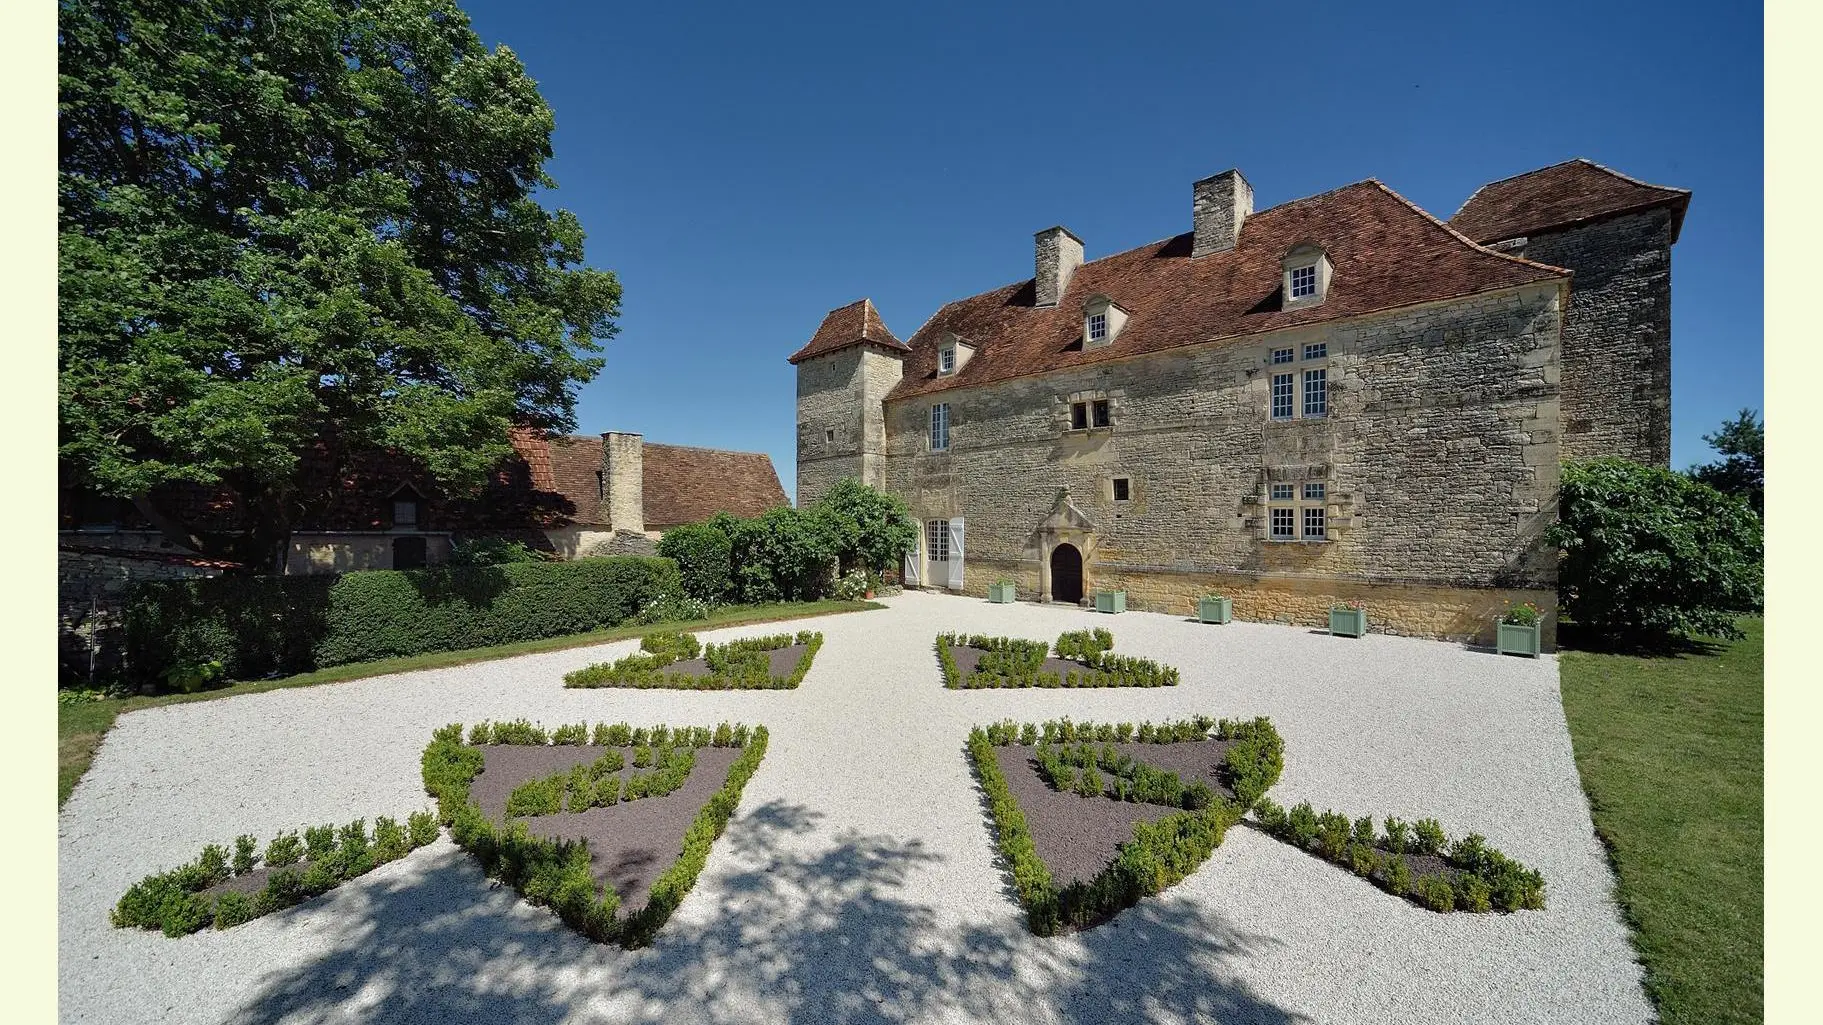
<point x="844" y="374"/>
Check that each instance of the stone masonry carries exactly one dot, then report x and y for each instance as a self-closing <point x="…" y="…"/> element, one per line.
<point x="841" y="425"/>
<point x="1617" y="335"/>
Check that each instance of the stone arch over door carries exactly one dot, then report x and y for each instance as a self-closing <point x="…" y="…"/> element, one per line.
<point x="1066" y="525"/>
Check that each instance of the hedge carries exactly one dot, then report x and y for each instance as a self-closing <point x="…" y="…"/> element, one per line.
<point x="743" y="664"/>
<point x="1160" y="853"/>
<point x="298" y="869"/>
<point x="555" y="873"/>
<point x="260" y="626"/>
<point x="1011" y="662"/>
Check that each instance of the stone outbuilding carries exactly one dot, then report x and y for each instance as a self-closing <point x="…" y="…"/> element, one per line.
<point x="1340" y="398"/>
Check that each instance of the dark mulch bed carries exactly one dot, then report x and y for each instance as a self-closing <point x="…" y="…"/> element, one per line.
<point x="967" y="658"/>
<point x="1078" y="836"/>
<point x="631" y="843"/>
<point x="254" y="881"/>
<point x="784" y="662"/>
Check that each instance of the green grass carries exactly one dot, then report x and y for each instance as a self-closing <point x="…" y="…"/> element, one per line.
<point x="80" y="727"/>
<point x="1670" y="751"/>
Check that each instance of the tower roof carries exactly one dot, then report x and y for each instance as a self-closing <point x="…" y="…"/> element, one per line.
<point x="858" y="323"/>
<point x="1573" y="192"/>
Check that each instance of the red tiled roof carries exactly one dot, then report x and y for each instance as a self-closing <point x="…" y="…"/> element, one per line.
<point x="858" y="323"/>
<point x="687" y="485"/>
<point x="1563" y="194"/>
<point x="1384" y="250"/>
<point x="576" y="464"/>
<point x="529" y="445"/>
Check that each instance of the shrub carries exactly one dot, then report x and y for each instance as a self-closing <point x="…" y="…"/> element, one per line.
<point x="852" y="585"/>
<point x="232" y="908"/>
<point x="1435" y="892"/>
<point x="783" y="554"/>
<point x="1399" y="876"/>
<point x="422" y="827"/>
<point x="576" y="734"/>
<point x="285" y="849"/>
<point x="868" y="529"/>
<point x="1085" y="646"/>
<point x="1255" y="757"/>
<point x="671" y="645"/>
<point x="520" y="732"/>
<point x="703" y="553"/>
<point x="390" y="841"/>
<point x="740" y="664"/>
<point x="244" y="847"/>
<point x="1302" y="821"/>
<point x="1427" y="837"/>
<point x="1362" y="858"/>
<point x="1650" y="555"/>
<point x="672" y="608"/>
<point x="1472" y="893"/>
<point x="255" y="626"/>
<point x="1398" y="835"/>
<point x="493" y="551"/>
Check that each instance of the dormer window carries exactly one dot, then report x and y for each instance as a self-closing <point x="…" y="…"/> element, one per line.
<point x="1102" y="319"/>
<point x="1306" y="276"/>
<point x="952" y="354"/>
<point x="405" y="509"/>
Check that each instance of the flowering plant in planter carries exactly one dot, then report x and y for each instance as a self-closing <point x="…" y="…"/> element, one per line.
<point x="1346" y="606"/>
<point x="1520" y="614"/>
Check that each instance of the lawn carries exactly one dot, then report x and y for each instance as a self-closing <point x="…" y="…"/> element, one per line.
<point x="1670" y="751"/>
<point x="80" y="727"/>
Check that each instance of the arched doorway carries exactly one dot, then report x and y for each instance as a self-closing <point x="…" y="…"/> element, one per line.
<point x="1066" y="573"/>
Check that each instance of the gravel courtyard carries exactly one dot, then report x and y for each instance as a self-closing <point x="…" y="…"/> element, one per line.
<point x="857" y="882"/>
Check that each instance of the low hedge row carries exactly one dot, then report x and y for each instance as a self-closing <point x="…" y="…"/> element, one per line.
<point x="258" y="626"/>
<point x="744" y="664"/>
<point x="1079" y="769"/>
<point x="555" y="873"/>
<point x="523" y="733"/>
<point x="1161" y="853"/>
<point x="1011" y="662"/>
<point x="299" y="868"/>
<point x="1250" y="766"/>
<point x="1479" y="878"/>
<point x="598" y="784"/>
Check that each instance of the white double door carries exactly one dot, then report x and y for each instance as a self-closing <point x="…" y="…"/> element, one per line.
<point x="941" y="555"/>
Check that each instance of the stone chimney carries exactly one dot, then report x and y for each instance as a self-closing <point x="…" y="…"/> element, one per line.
<point x="1058" y="254"/>
<point x="1223" y="202"/>
<point x="623" y="459"/>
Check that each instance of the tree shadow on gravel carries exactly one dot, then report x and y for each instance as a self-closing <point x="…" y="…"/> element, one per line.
<point x="831" y="936"/>
<point x="861" y="949"/>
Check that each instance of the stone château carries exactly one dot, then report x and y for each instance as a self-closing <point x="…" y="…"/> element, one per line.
<point x="1340" y="398"/>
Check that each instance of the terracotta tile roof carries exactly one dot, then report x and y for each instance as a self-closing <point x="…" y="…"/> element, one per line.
<point x="686" y="485"/>
<point x="1563" y="194"/>
<point x="576" y="471"/>
<point x="858" y="323"/>
<point x="530" y="446"/>
<point x="1385" y="252"/>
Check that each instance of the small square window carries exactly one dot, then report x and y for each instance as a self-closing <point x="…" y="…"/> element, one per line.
<point x="1303" y="281"/>
<point x="1098" y="326"/>
<point x="1122" y="489"/>
<point x="1284" y="492"/>
<point x="1283" y="355"/>
<point x="405" y="512"/>
<point x="1316" y="350"/>
<point x="1103" y="414"/>
<point x="1313" y="492"/>
<point x="1313" y="523"/>
<point x="946" y="359"/>
<point x="1316" y="392"/>
<point x="1284" y="524"/>
<point x="1079" y="416"/>
<point x="1281" y="396"/>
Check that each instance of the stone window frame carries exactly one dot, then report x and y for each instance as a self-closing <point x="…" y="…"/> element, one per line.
<point x="1318" y="397"/>
<point x="1117" y="488"/>
<point x="1089" y="403"/>
<point x="1309" y="263"/>
<point x="1289" y="394"/>
<point x="1295" y="505"/>
<point x="940" y="422"/>
<point x="829" y="438"/>
<point x="1288" y="386"/>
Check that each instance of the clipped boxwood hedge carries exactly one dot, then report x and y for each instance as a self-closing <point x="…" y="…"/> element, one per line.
<point x="1011" y="662"/>
<point x="257" y="626"/>
<point x="742" y="664"/>
<point x="1161" y="853"/>
<point x="555" y="873"/>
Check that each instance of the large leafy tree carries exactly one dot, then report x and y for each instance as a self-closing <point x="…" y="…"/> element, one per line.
<point x="1741" y="471"/>
<point x="1651" y="556"/>
<point x="295" y="230"/>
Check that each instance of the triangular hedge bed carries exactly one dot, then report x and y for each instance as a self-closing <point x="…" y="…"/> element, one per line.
<point x="1093" y="817"/>
<point x="573" y="787"/>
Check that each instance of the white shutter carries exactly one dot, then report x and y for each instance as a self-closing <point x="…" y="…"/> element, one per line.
<point x="955" y="554"/>
<point x="909" y="577"/>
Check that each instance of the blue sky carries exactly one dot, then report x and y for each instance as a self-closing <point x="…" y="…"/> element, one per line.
<point x="746" y="169"/>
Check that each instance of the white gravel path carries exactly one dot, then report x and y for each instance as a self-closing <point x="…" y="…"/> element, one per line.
<point x="857" y="882"/>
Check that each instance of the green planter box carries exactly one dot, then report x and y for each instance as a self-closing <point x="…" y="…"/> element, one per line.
<point x="1110" y="601"/>
<point x="1348" y="622"/>
<point x="1514" y="639"/>
<point x="1215" y="610"/>
<point x="1000" y="593"/>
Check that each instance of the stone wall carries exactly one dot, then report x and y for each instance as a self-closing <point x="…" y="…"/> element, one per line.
<point x="1617" y="335"/>
<point x="1439" y="455"/>
<point x="842" y="392"/>
<point x="91" y="600"/>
